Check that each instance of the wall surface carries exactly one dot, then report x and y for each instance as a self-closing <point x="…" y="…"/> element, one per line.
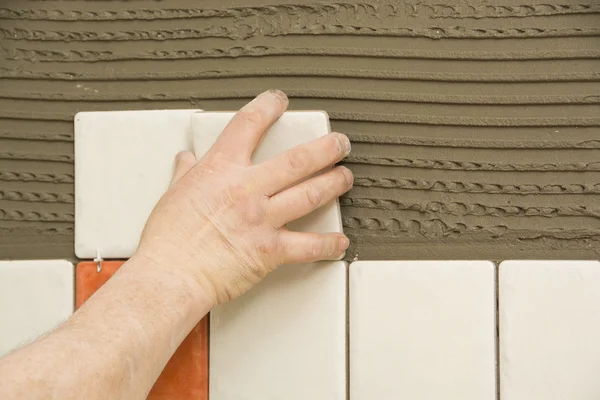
<point x="475" y="124"/>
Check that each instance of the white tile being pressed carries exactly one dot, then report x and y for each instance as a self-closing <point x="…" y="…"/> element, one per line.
<point x="292" y="128"/>
<point x="549" y="330"/>
<point x="284" y="339"/>
<point x="35" y="296"/>
<point x="124" y="161"/>
<point x="422" y="330"/>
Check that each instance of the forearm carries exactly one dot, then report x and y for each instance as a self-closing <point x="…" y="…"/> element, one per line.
<point x="116" y="344"/>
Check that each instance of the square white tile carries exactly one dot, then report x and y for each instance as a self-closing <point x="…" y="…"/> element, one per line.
<point x="124" y="161"/>
<point x="549" y="330"/>
<point x="284" y="339"/>
<point x="35" y="296"/>
<point x="292" y="128"/>
<point x="422" y="330"/>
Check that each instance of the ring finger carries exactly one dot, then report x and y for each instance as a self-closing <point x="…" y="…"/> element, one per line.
<point x="305" y="197"/>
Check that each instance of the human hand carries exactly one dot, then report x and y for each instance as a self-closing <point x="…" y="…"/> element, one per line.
<point x="222" y="221"/>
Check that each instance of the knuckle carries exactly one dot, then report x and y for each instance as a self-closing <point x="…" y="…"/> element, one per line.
<point x="215" y="160"/>
<point x="313" y="195"/>
<point x="268" y="249"/>
<point x="298" y="160"/>
<point x="250" y="116"/>
<point x="317" y="248"/>
<point x="255" y="268"/>
<point x="236" y="196"/>
<point x="253" y="215"/>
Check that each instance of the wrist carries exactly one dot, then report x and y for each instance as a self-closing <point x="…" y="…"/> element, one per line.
<point x="173" y="276"/>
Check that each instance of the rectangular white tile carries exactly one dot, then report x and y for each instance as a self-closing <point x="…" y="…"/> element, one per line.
<point x="549" y="330"/>
<point x="422" y="330"/>
<point x="292" y="128"/>
<point x="35" y="296"/>
<point x="124" y="161"/>
<point x="284" y="339"/>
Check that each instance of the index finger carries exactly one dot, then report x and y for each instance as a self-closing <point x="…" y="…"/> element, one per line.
<point x="248" y="126"/>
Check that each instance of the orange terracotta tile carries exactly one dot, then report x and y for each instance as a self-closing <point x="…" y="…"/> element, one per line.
<point x="186" y="375"/>
<point x="88" y="280"/>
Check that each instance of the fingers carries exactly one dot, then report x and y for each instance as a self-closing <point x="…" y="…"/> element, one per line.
<point x="300" y="247"/>
<point x="246" y="129"/>
<point x="305" y="197"/>
<point x="296" y="164"/>
<point x="184" y="161"/>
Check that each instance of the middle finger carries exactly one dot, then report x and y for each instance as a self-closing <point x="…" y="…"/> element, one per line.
<point x="301" y="161"/>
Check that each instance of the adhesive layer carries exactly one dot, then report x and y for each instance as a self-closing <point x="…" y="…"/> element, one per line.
<point x="475" y="124"/>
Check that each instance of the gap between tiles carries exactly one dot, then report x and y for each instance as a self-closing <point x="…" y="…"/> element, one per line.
<point x="497" y="308"/>
<point x="348" y="331"/>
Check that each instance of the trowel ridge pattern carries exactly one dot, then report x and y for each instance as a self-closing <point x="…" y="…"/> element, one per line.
<point x="413" y="8"/>
<point x="474" y="126"/>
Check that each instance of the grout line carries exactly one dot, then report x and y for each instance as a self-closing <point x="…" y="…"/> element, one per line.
<point x="497" y="338"/>
<point x="348" y="331"/>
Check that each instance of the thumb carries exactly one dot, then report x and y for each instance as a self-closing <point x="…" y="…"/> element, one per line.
<point x="184" y="161"/>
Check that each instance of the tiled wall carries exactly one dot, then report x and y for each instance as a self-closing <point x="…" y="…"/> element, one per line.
<point x="417" y="329"/>
<point x="475" y="134"/>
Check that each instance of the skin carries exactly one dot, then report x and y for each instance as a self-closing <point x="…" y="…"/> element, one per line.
<point x="218" y="230"/>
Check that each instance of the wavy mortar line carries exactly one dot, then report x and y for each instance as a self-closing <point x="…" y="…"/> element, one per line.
<point x="453" y="165"/>
<point x="35" y="216"/>
<point x="20" y="73"/>
<point x="43" y="231"/>
<point x="245" y="31"/>
<point x="111" y="15"/>
<point x="386" y="10"/>
<point x="437" y="228"/>
<point x="57" y="55"/>
<point x="36" y="115"/>
<point x="36" y="177"/>
<point x="47" y="136"/>
<point x="37" y="197"/>
<point x="476" y="209"/>
<point x="395" y="140"/>
<point x="64" y="158"/>
<point x="513" y="11"/>
<point x="464" y="121"/>
<point x="475" y="143"/>
<point x="194" y="97"/>
<point x="475" y="187"/>
<point x="376" y="117"/>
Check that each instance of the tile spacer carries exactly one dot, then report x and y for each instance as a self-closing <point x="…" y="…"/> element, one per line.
<point x="98" y="261"/>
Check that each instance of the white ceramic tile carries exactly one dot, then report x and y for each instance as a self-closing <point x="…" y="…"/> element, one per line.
<point x="35" y="296"/>
<point x="549" y="330"/>
<point x="292" y="129"/>
<point x="124" y="161"/>
<point x="422" y="330"/>
<point x="284" y="339"/>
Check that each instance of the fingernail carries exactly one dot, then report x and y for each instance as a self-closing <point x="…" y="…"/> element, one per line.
<point x="345" y="143"/>
<point x="343" y="243"/>
<point x="348" y="176"/>
<point x="276" y="92"/>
